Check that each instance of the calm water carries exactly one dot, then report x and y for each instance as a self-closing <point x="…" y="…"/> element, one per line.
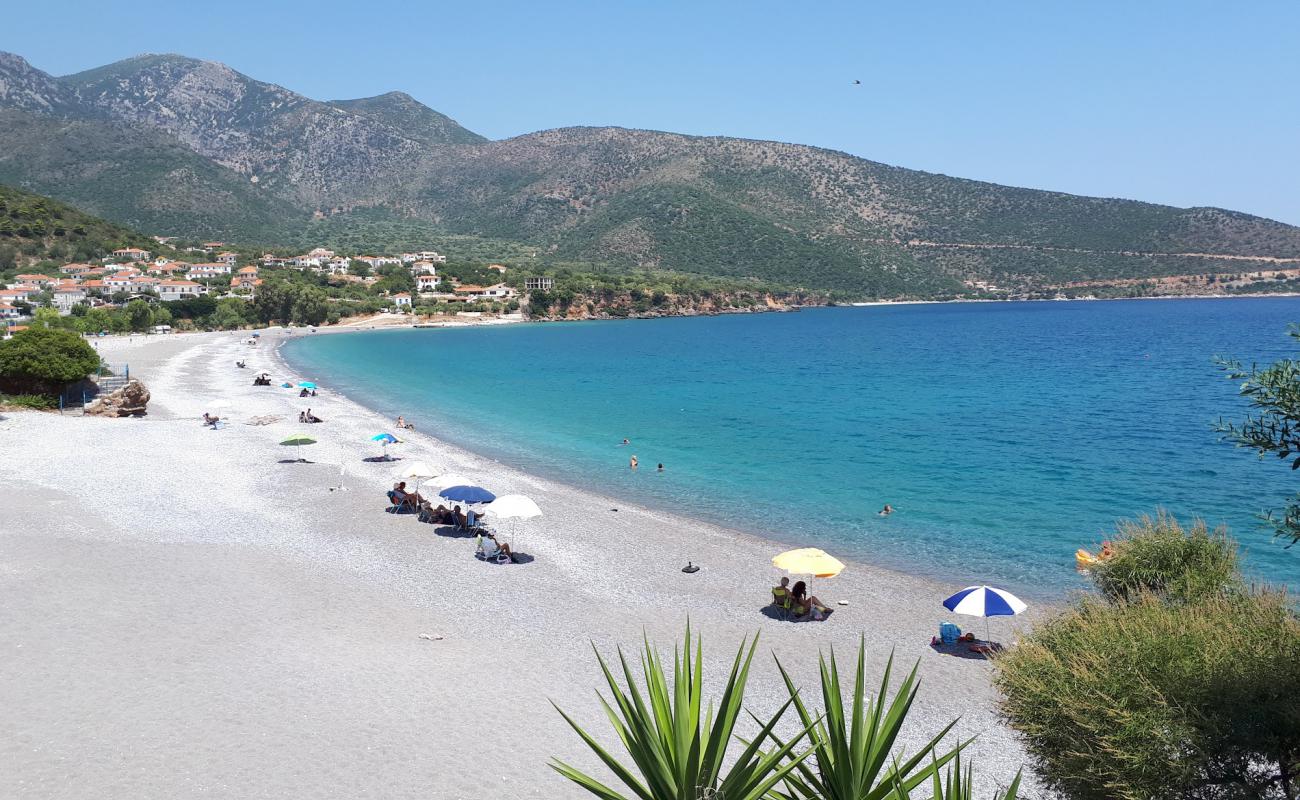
<point x="1006" y="435"/>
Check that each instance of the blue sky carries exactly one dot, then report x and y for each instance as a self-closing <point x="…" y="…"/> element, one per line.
<point x="1187" y="103"/>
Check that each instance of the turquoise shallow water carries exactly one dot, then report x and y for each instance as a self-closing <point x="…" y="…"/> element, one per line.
<point x="1005" y="434"/>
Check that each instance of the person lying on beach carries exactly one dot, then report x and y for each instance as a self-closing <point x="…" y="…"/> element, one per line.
<point x="442" y="516"/>
<point x="208" y="419"/>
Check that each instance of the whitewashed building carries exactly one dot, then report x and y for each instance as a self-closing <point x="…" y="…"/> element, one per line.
<point x="179" y="290"/>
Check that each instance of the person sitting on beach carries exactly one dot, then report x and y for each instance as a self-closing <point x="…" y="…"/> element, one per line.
<point x="804" y="606"/>
<point x="307" y="416"/>
<point x="459" y="519"/>
<point x="208" y="419"/>
<point x="411" y="498"/>
<point x="781" y="594"/>
<point x="489" y="547"/>
<point x="304" y="393"/>
<point x="313" y="392"/>
<point x="240" y="364"/>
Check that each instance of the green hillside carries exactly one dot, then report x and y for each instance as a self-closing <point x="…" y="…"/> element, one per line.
<point x="35" y="228"/>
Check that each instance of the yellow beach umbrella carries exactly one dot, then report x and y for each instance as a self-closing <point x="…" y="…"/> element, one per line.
<point x="809" y="561"/>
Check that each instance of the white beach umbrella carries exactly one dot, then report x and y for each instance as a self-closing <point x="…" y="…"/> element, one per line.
<point x="448" y="479"/>
<point x="512" y="507"/>
<point x="417" y="470"/>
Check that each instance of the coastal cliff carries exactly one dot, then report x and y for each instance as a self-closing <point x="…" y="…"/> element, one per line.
<point x="642" y="305"/>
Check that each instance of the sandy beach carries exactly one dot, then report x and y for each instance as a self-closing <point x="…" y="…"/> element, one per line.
<point x="184" y="615"/>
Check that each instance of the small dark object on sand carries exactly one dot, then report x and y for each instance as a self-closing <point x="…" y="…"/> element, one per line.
<point x="689" y="568"/>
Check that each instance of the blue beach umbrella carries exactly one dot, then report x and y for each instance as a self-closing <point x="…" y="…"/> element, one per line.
<point x="985" y="601"/>
<point x="306" y="385"/>
<point x="385" y="439"/>
<point x="467" y="494"/>
<point x="257" y="336"/>
<point x="286" y="385"/>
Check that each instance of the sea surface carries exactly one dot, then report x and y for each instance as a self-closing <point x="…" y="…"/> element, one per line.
<point x="1006" y="435"/>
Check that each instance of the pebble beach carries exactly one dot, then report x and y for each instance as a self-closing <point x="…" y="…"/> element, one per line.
<point x="184" y="614"/>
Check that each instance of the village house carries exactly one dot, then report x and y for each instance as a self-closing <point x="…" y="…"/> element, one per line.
<point x="539" y="283"/>
<point x="339" y="265"/>
<point x="245" y="284"/>
<point x="67" y="297"/>
<point x="210" y="270"/>
<point x="74" y="269"/>
<point x="269" y="260"/>
<point x="249" y="271"/>
<point x="214" y="245"/>
<point x="426" y="283"/>
<point x="501" y="268"/>
<point x="118" y="281"/>
<point x="17" y="295"/>
<point x="170" y="290"/>
<point x="169" y="269"/>
<point x="33" y="279"/>
<point x="423" y="268"/>
<point x="144" y="283"/>
<point x="305" y="262"/>
<point x="132" y="253"/>
<point x="229" y="259"/>
<point x="95" y="285"/>
<point x="402" y="300"/>
<point x="497" y="291"/>
<point x="8" y="312"/>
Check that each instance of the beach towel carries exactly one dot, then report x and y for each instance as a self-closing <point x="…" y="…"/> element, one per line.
<point x="949" y="633"/>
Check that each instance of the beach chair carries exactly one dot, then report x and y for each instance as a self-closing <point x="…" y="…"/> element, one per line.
<point x="781" y="601"/>
<point x="398" y="504"/>
<point x="474" y="523"/>
<point x="489" y="550"/>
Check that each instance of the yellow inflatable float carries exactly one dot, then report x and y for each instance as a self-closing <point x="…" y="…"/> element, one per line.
<point x="1083" y="560"/>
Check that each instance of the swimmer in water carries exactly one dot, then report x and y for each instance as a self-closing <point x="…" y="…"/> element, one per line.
<point x="887" y="510"/>
<point x="625" y="443"/>
<point x="632" y="463"/>
<point x="661" y="467"/>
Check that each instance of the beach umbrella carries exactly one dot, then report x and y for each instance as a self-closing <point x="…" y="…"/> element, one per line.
<point x="450" y="479"/>
<point x="286" y="385"/>
<point x="257" y="335"/>
<point x="467" y="494"/>
<point x="298" y="440"/>
<point x="306" y="385"/>
<point x="418" y="470"/>
<point x="985" y="601"/>
<point x="512" y="507"/>
<point x="384" y="439"/>
<point x="809" y="561"/>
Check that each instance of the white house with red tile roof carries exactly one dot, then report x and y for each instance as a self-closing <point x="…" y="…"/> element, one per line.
<point x="423" y="268"/>
<point x="142" y="283"/>
<point x="245" y="284"/>
<point x="212" y="270"/>
<point x="249" y="270"/>
<point x="133" y="253"/>
<point x="118" y="281"/>
<point x="35" y="279"/>
<point x="17" y="295"/>
<point x="426" y="283"/>
<point x="9" y="312"/>
<point x="402" y="299"/>
<point x="227" y="258"/>
<point x="74" y="269"/>
<point x="170" y="290"/>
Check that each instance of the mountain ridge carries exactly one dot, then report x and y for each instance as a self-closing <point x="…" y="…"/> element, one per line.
<point x="619" y="196"/>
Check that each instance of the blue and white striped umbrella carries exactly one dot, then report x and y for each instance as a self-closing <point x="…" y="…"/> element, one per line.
<point x="985" y="601"/>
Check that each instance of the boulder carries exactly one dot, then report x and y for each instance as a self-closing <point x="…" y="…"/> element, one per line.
<point x="125" y="401"/>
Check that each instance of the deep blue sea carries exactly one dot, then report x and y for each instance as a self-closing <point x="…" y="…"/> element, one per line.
<point x="1005" y="434"/>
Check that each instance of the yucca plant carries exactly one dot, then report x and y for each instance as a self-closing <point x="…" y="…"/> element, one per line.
<point x="852" y="751"/>
<point x="676" y="748"/>
<point x="959" y="784"/>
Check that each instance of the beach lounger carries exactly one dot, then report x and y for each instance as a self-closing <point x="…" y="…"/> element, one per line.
<point x="488" y="550"/>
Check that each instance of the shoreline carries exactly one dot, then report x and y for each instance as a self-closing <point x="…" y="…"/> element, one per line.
<point x="194" y="566"/>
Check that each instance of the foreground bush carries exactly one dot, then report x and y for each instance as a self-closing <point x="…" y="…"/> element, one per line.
<point x="677" y="750"/>
<point x="1146" y="700"/>
<point x="39" y="402"/>
<point x="44" y="360"/>
<point x="1158" y="556"/>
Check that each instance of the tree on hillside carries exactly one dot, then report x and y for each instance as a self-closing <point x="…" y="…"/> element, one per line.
<point x="43" y="360"/>
<point x="1182" y="685"/>
<point x="1273" y="426"/>
<point x="140" y="315"/>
